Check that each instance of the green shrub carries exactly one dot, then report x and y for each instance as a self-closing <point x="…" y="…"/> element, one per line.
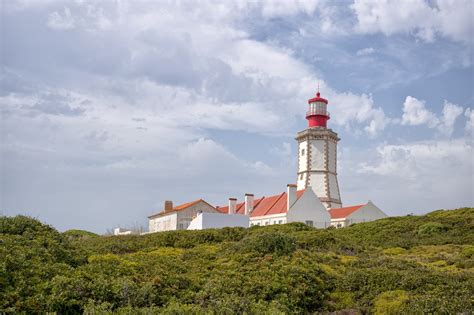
<point x="431" y="228"/>
<point x="26" y="226"/>
<point x="273" y="243"/>
<point x="280" y="269"/>
<point x="468" y="252"/>
<point x="79" y="234"/>
<point x="394" y="251"/>
<point x="341" y="301"/>
<point x="390" y="302"/>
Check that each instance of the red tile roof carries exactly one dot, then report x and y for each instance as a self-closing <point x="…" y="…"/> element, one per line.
<point x="341" y="213"/>
<point x="180" y="207"/>
<point x="265" y="205"/>
<point x="186" y="205"/>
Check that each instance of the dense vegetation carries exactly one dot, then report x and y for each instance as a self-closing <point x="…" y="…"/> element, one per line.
<point x="399" y="265"/>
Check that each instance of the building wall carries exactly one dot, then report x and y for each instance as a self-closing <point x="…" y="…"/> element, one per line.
<point x="301" y="181"/>
<point x="269" y="219"/>
<point x="207" y="220"/>
<point x="367" y="213"/>
<point x="318" y="155"/>
<point x="309" y="209"/>
<point x="318" y="181"/>
<point x="333" y="186"/>
<point x="163" y="223"/>
<point x="332" y="156"/>
<point x="186" y="216"/>
<point x="302" y="164"/>
<point x="339" y="223"/>
<point x="303" y="156"/>
<point x="120" y="231"/>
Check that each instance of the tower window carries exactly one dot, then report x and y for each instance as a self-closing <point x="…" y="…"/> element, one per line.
<point x="302" y="151"/>
<point x="301" y="176"/>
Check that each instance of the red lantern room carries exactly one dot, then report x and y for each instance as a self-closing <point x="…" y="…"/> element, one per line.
<point x="317" y="115"/>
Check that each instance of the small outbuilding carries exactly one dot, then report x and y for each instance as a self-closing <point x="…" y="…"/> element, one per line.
<point x="178" y="217"/>
<point x="342" y="217"/>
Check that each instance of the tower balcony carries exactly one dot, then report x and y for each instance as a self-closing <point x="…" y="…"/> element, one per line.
<point x="317" y="111"/>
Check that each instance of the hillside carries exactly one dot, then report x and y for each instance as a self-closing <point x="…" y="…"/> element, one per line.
<point x="409" y="265"/>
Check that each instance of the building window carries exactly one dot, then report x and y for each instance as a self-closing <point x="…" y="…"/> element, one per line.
<point x="339" y="225"/>
<point x="301" y="176"/>
<point x="302" y="151"/>
<point x="280" y="221"/>
<point x="309" y="223"/>
<point x="266" y="223"/>
<point x="180" y="226"/>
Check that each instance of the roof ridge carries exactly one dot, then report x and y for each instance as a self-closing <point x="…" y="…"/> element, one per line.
<point x="363" y="204"/>
<point x="259" y="201"/>
<point x="278" y="199"/>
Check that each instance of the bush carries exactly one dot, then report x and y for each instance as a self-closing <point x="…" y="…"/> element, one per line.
<point x="273" y="243"/>
<point x="390" y="302"/>
<point x="280" y="269"/>
<point x="26" y="226"/>
<point x="432" y="228"/>
<point x="394" y="251"/>
<point x="468" y="252"/>
<point x="79" y="234"/>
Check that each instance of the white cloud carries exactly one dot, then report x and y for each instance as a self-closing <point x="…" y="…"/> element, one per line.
<point x="272" y="9"/>
<point x="419" y="176"/>
<point x="132" y="115"/>
<point x="451" y="112"/>
<point x="413" y="160"/>
<point x="415" y="113"/>
<point x="456" y="19"/>
<point x="452" y="19"/>
<point x="347" y="108"/>
<point x="469" y="113"/>
<point x="207" y="158"/>
<point x="365" y="51"/>
<point x="61" y="21"/>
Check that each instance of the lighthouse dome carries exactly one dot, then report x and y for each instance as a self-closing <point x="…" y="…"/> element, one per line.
<point x="318" y="98"/>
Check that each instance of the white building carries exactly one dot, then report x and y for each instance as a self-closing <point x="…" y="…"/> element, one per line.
<point x="314" y="200"/>
<point x="208" y="220"/>
<point x="290" y="206"/>
<point x="122" y="231"/>
<point x="179" y="217"/>
<point x="342" y="217"/>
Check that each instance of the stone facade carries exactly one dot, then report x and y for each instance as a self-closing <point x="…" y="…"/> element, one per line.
<point x="317" y="164"/>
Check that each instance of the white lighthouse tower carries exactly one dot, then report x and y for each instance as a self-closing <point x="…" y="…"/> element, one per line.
<point x="317" y="155"/>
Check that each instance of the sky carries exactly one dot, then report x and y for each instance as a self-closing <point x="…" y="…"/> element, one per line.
<point x="109" y="108"/>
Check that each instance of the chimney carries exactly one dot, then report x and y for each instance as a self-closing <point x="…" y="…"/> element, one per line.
<point x="248" y="203"/>
<point x="232" y="203"/>
<point x="168" y="205"/>
<point x="291" y="195"/>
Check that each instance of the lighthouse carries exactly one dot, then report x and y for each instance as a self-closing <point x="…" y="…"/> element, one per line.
<point x="317" y="154"/>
